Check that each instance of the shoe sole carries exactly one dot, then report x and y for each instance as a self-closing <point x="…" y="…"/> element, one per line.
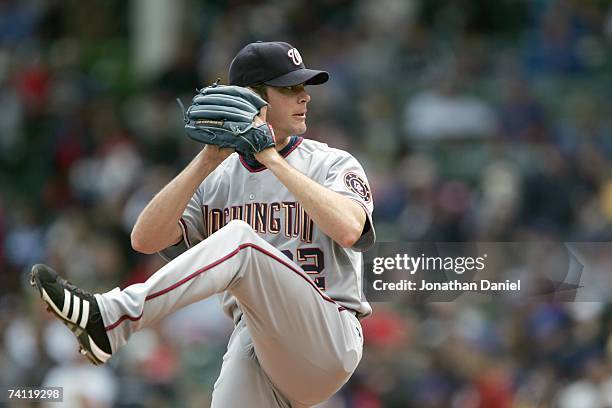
<point x="80" y="334"/>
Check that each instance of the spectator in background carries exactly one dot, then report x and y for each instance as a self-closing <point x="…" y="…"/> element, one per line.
<point x="445" y="111"/>
<point x="521" y="117"/>
<point x="551" y="47"/>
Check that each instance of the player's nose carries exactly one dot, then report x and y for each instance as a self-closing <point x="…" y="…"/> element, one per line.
<point x="304" y="96"/>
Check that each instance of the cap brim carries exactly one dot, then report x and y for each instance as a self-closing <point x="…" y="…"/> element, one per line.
<point x="300" y="76"/>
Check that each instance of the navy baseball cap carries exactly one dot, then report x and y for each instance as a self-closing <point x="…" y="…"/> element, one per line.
<point x="274" y="64"/>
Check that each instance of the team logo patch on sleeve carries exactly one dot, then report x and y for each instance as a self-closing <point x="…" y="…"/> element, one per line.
<point x="358" y="186"/>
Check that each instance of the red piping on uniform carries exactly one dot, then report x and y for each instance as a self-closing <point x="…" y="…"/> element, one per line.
<point x="121" y="320"/>
<point x="249" y="168"/>
<point x="212" y="265"/>
<point x="297" y="143"/>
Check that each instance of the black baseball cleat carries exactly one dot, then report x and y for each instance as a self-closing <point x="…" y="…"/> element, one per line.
<point x="77" y="309"/>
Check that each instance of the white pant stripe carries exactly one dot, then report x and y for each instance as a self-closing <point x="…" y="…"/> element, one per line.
<point x="67" y="297"/>
<point x="85" y="314"/>
<point x="75" y="310"/>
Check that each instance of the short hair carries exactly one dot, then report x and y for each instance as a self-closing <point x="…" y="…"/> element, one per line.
<point x="261" y="90"/>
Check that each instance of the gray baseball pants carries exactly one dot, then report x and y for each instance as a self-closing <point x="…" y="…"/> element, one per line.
<point x="293" y="347"/>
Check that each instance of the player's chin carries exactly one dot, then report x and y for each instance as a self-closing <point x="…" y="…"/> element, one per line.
<point x="299" y="129"/>
<point x="299" y="124"/>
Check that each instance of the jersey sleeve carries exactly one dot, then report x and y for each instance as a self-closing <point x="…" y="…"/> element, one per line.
<point x="192" y="228"/>
<point x="346" y="177"/>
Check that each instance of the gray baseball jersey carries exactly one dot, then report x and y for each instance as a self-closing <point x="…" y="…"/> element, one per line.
<point x="297" y="338"/>
<point x="239" y="190"/>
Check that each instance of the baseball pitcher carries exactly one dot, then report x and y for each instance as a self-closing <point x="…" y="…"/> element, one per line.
<point x="272" y="222"/>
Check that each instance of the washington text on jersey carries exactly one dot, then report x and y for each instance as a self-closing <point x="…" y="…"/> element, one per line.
<point x="264" y="218"/>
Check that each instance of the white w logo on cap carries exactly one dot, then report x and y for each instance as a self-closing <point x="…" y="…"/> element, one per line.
<point x="295" y="56"/>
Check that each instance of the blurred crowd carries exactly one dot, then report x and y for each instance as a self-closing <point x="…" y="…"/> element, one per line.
<point x="475" y="121"/>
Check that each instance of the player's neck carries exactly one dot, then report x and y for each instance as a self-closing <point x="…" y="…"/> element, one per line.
<point x="282" y="142"/>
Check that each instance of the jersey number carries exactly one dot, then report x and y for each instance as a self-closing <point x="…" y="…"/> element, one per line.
<point x="312" y="262"/>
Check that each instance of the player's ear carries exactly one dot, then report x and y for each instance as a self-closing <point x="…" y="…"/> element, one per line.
<point x="263" y="112"/>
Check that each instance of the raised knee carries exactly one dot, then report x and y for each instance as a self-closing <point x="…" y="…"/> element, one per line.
<point x="344" y="365"/>
<point x="239" y="225"/>
<point x="239" y="229"/>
